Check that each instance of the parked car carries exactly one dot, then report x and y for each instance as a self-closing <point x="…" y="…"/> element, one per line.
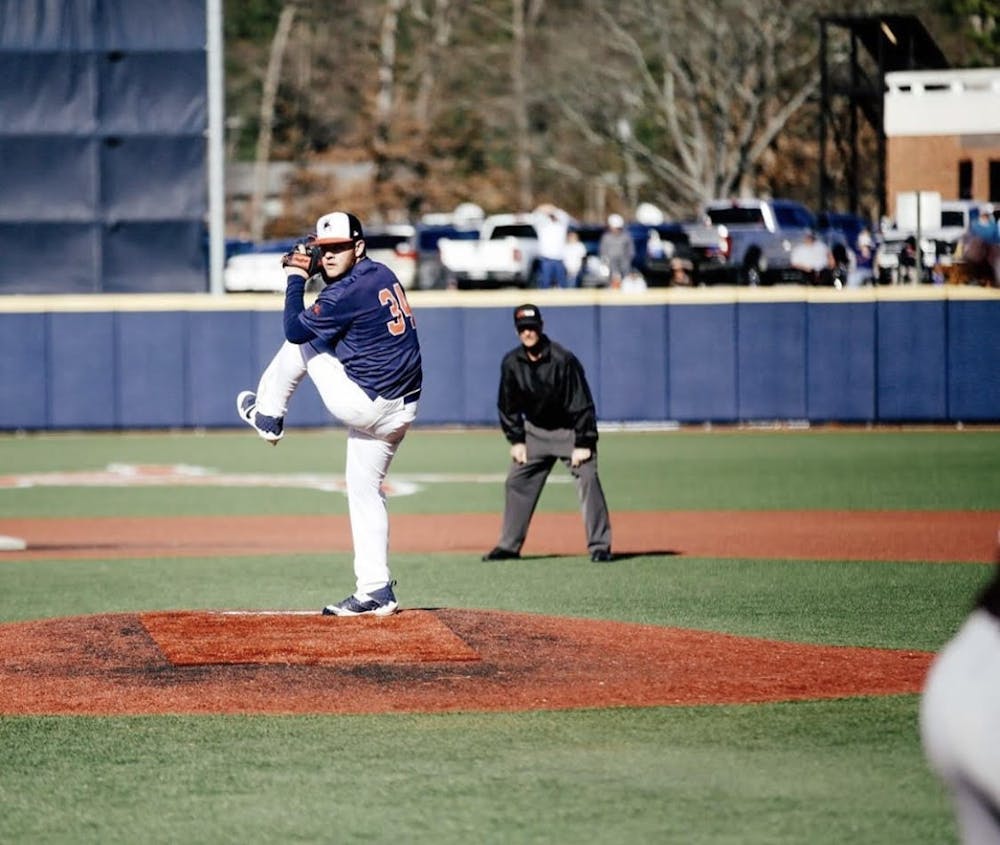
<point x="256" y="267"/>
<point x="939" y="243"/>
<point x="698" y="249"/>
<point x="431" y="272"/>
<point x="759" y="235"/>
<point x="656" y="247"/>
<point x="594" y="273"/>
<point x="394" y="245"/>
<point x="848" y="225"/>
<point x="504" y="254"/>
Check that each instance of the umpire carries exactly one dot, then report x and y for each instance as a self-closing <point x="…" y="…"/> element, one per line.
<point x="547" y="412"/>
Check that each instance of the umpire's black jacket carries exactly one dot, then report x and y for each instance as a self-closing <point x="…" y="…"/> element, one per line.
<point x="550" y="393"/>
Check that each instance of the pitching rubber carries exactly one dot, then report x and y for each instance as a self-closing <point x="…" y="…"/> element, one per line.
<point x="12" y="544"/>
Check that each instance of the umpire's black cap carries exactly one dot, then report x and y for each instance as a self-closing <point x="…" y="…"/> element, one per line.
<point x="527" y="316"/>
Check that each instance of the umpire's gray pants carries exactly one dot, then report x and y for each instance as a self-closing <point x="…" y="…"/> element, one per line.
<point x="525" y="482"/>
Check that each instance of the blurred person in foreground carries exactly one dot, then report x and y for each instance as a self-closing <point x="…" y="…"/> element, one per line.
<point x="960" y="718"/>
<point x="547" y="414"/>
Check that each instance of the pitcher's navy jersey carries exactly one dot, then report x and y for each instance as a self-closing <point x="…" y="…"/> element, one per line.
<point x="366" y="322"/>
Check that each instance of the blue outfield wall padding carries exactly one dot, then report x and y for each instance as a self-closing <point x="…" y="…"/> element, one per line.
<point x="973" y="360"/>
<point x="152" y="366"/>
<point x="912" y="361"/>
<point x="633" y="379"/>
<point x="487" y="333"/>
<point x="220" y="360"/>
<point x="24" y="369"/>
<point x="82" y="369"/>
<point x="770" y="344"/>
<point x="924" y="360"/>
<point x="840" y="369"/>
<point x="443" y="352"/>
<point x="578" y="328"/>
<point x="701" y="341"/>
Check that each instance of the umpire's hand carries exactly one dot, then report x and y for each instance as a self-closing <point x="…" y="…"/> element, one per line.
<point x="519" y="452"/>
<point x="579" y="456"/>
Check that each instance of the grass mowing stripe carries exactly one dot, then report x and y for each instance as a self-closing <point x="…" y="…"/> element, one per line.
<point x="885" y="605"/>
<point x="944" y="470"/>
<point x="818" y="772"/>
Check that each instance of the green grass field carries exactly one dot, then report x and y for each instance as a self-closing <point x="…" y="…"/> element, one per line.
<point x="819" y="772"/>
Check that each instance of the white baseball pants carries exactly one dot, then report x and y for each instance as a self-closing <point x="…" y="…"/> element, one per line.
<point x="375" y="428"/>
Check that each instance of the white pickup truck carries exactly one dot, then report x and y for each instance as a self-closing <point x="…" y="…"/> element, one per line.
<point x="505" y="253"/>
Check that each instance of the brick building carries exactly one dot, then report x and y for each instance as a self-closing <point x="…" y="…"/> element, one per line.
<point x="942" y="131"/>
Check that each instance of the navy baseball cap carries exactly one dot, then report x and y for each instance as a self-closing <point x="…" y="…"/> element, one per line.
<point x="527" y="317"/>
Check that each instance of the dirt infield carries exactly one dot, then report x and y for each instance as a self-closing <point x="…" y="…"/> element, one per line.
<point x="817" y="535"/>
<point x="424" y="660"/>
<point x="415" y="661"/>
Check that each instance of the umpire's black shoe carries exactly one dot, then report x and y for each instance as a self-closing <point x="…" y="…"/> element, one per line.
<point x="497" y="553"/>
<point x="602" y="556"/>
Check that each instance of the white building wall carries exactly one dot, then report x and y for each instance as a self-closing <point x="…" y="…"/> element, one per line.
<point x="942" y="102"/>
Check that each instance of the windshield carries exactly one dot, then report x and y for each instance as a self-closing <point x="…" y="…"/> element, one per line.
<point x="735" y="216"/>
<point x="515" y="230"/>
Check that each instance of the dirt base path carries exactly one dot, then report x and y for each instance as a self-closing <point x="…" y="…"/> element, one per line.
<point x="819" y="535"/>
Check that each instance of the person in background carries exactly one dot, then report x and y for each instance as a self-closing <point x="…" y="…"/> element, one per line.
<point x="982" y="248"/>
<point x="574" y="258"/>
<point x="865" y="257"/>
<point x="547" y="414"/>
<point x="617" y="250"/>
<point x="812" y="258"/>
<point x="552" y="225"/>
<point x="960" y="717"/>
<point x="680" y="272"/>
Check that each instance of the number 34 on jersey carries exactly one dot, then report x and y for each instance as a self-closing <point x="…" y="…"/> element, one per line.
<point x="399" y="308"/>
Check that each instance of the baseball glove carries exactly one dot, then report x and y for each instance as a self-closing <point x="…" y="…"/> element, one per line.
<point x="304" y="256"/>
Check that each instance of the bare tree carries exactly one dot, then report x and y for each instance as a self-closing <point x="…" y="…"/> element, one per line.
<point x="695" y="92"/>
<point x="255" y="223"/>
<point x="385" y="102"/>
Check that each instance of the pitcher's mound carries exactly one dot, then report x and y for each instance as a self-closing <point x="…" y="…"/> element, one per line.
<point x="414" y="661"/>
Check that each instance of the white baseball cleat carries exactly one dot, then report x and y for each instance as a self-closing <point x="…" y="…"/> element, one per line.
<point x="381" y="602"/>
<point x="270" y="428"/>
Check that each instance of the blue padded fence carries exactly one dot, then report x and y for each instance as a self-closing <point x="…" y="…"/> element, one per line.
<point x="864" y="357"/>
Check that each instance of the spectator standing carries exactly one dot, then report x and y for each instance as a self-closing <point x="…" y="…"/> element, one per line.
<point x="617" y="250"/>
<point x="865" y="251"/>
<point x="552" y="225"/>
<point x="574" y="258"/>
<point x="547" y="414"/>
<point x="909" y="269"/>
